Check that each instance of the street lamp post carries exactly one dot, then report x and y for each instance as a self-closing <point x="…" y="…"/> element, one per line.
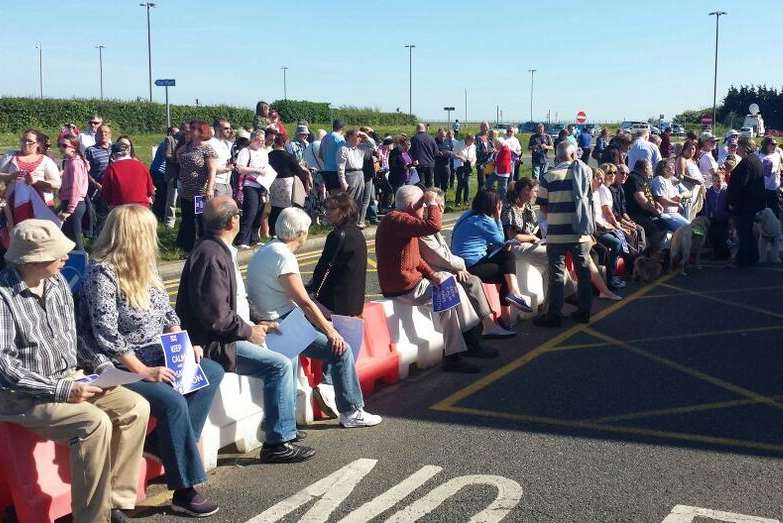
<point x="285" y="87"/>
<point x="40" y="68"/>
<point x="149" y="5"/>
<point x="100" y="48"/>
<point x="717" y="15"/>
<point x="410" y="77"/>
<point x="532" y="72"/>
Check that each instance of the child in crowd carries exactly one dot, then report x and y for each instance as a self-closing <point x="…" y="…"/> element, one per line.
<point x="716" y="208"/>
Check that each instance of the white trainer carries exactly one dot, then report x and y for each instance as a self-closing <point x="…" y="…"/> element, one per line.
<point x="359" y="418"/>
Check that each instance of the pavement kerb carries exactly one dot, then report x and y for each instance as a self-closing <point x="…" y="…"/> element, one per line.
<point x="171" y="270"/>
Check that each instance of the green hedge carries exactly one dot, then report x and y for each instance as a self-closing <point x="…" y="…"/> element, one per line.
<point x="17" y="114"/>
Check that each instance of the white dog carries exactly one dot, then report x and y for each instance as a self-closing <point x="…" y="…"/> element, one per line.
<point x="768" y="230"/>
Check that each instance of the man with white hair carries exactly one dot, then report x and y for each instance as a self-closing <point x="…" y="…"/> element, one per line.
<point x="643" y="149"/>
<point x="562" y="195"/>
<point x="405" y="276"/>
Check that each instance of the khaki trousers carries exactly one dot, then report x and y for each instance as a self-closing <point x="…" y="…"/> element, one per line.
<point x="105" y="436"/>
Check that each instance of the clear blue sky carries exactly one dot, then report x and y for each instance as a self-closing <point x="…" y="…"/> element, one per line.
<point x="625" y="59"/>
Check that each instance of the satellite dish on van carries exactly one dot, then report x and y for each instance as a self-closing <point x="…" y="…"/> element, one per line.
<point x="754" y="109"/>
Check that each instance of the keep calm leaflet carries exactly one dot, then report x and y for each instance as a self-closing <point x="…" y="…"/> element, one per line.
<point x="295" y="335"/>
<point x="445" y="296"/>
<point x="181" y="359"/>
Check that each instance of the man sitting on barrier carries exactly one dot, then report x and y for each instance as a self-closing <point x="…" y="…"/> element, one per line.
<point x="213" y="307"/>
<point x="39" y="387"/>
<point x="405" y="276"/>
<point x="436" y="252"/>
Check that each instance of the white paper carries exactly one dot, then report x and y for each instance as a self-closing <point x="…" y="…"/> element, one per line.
<point x="352" y="331"/>
<point x="509" y="243"/>
<point x="111" y="377"/>
<point x="294" y="335"/>
<point x="414" y="178"/>
<point x="266" y="179"/>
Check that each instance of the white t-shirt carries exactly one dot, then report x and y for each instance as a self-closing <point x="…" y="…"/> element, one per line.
<point x="663" y="187"/>
<point x="771" y="165"/>
<point x="223" y="150"/>
<point x="264" y="289"/>
<point x="86" y="140"/>
<point x="707" y="164"/>
<point x="256" y="159"/>
<point x="513" y="144"/>
<point x="243" y="306"/>
<point x="599" y="200"/>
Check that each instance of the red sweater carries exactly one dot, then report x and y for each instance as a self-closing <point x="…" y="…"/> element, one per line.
<point x="400" y="265"/>
<point x="127" y="181"/>
<point x="503" y="160"/>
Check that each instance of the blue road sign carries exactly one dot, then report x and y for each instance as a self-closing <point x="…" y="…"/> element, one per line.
<point x="165" y="82"/>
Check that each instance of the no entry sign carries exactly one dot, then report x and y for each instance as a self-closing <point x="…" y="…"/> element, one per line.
<point x="706" y="119"/>
<point x="581" y="117"/>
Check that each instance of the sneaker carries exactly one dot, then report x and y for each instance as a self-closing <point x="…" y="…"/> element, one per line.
<point x="548" y="320"/>
<point x="324" y="395"/>
<point x="496" y="331"/>
<point x="359" y="418"/>
<point x="617" y="283"/>
<point x="454" y="363"/>
<point x="520" y="302"/>
<point x="118" y="516"/>
<point x="243" y="247"/>
<point x="580" y="317"/>
<point x="285" y="453"/>
<point x="190" y="503"/>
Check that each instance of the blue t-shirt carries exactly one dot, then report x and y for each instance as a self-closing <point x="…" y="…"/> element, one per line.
<point x="585" y="140"/>
<point x="475" y="235"/>
<point x="330" y="144"/>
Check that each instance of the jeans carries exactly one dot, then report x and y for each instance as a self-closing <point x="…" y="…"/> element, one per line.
<point x="480" y="178"/>
<point x="180" y="420"/>
<point x="748" y="252"/>
<point x="367" y="195"/>
<point x="72" y="227"/>
<point x="674" y="221"/>
<point x="442" y="173"/>
<point x="463" y="183"/>
<point x="615" y="247"/>
<point x="340" y="372"/>
<point x="581" y="253"/>
<point x="502" y="182"/>
<point x="252" y="213"/>
<point x="279" y="391"/>
<point x="426" y="174"/>
<point x="539" y="169"/>
<point x="586" y="155"/>
<point x="191" y="226"/>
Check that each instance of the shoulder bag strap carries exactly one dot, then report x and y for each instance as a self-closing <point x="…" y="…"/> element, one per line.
<point x="340" y="243"/>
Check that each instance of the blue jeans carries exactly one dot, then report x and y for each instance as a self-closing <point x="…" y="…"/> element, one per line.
<point x="279" y="390"/>
<point x="674" y="221"/>
<point x="539" y="169"/>
<point x="340" y="371"/>
<point x="615" y="247"/>
<point x="502" y="182"/>
<point x="180" y="420"/>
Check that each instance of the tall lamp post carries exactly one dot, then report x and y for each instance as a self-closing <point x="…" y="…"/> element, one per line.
<point x="410" y="77"/>
<point x="532" y="72"/>
<point x="100" y="48"/>
<point x="40" y="68"/>
<point x="149" y="5"/>
<point x="285" y="87"/>
<point x="717" y="15"/>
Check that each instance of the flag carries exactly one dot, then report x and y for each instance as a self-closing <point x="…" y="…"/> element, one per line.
<point x="29" y="204"/>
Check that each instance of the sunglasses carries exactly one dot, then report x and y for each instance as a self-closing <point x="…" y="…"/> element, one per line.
<point x="226" y="128"/>
<point x="96" y="123"/>
<point x="29" y="142"/>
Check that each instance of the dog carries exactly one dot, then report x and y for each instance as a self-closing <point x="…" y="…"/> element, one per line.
<point x="768" y="229"/>
<point x="646" y="269"/>
<point x="688" y="241"/>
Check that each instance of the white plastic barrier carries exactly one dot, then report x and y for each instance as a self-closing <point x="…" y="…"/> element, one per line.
<point x="235" y="417"/>
<point x="531" y="284"/>
<point x="419" y="339"/>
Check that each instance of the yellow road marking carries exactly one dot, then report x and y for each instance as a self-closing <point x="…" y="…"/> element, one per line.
<point x="736" y="389"/>
<point x="372" y="263"/>
<point x="576" y="346"/>
<point x="726" y="302"/>
<point x="679" y="410"/>
<point x="693" y="438"/>
<point x="719" y="291"/>
<point x="492" y="377"/>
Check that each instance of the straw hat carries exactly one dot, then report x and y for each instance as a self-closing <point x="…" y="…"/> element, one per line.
<point x="35" y="241"/>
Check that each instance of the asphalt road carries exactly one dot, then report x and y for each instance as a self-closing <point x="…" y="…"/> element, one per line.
<point x="672" y="397"/>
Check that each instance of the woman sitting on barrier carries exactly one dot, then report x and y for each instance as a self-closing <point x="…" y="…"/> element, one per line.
<point x="476" y="235"/>
<point x="339" y="277"/>
<point x="275" y="288"/>
<point x="123" y="310"/>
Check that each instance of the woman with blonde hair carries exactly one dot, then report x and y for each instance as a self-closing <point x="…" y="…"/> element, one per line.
<point x="123" y="310"/>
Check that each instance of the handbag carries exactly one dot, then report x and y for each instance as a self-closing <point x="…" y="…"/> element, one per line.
<point x="298" y="193"/>
<point x="330" y="265"/>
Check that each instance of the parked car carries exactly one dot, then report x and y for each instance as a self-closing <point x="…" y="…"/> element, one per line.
<point x="678" y="130"/>
<point x="527" y="127"/>
<point x="747" y="132"/>
<point x="554" y="130"/>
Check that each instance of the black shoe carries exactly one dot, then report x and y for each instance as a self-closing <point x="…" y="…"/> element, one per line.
<point x="285" y="453"/>
<point x="548" y="320"/>
<point x="580" y="317"/>
<point x="118" y="516"/>
<point x="190" y="503"/>
<point x="456" y="364"/>
<point x="300" y="436"/>
<point x="481" y="353"/>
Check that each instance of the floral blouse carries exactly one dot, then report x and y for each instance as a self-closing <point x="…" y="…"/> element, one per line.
<point x="522" y="220"/>
<point x="194" y="168"/>
<point x="107" y="324"/>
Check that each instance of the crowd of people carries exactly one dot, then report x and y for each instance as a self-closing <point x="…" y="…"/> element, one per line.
<point x="232" y="190"/>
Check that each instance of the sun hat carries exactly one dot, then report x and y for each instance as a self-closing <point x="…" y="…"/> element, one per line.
<point x="302" y="129"/>
<point x="706" y="136"/>
<point x="731" y="132"/>
<point x="34" y="241"/>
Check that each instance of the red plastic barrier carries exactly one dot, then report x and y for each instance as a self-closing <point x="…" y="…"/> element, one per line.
<point x="35" y="475"/>
<point x="620" y="267"/>
<point x="493" y="299"/>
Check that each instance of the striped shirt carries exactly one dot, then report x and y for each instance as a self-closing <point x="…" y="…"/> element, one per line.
<point x="98" y="158"/>
<point x="38" y="349"/>
<point x="557" y="193"/>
